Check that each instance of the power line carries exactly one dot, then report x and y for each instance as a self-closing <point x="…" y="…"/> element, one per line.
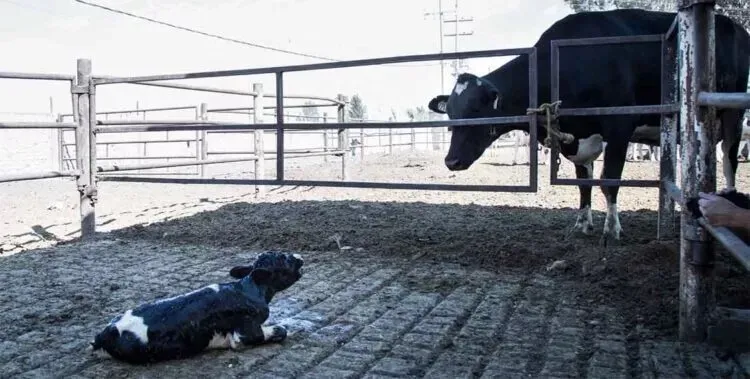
<point x="205" y="33"/>
<point x="232" y="39"/>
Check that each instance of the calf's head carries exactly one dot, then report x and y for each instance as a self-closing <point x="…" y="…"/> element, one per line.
<point x="472" y="97"/>
<point x="274" y="270"/>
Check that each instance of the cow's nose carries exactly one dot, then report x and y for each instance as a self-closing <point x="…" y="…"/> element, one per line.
<point x="453" y="164"/>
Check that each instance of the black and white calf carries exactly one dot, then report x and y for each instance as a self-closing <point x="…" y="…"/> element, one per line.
<point x="218" y="316"/>
<point x="593" y="76"/>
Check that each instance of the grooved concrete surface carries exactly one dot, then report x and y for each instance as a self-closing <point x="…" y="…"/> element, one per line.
<point x="352" y="315"/>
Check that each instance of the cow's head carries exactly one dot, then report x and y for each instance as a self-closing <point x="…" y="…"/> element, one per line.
<point x="274" y="270"/>
<point x="472" y="97"/>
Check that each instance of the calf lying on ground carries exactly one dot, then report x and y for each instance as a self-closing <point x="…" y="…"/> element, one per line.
<point x="218" y="316"/>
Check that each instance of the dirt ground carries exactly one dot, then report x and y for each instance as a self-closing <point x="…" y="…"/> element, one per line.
<point x="504" y="233"/>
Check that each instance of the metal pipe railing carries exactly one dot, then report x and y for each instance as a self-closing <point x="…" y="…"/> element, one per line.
<point x="35" y="76"/>
<point x="731" y="100"/>
<point x="319" y="66"/>
<point x="37" y="125"/>
<point x="37" y="175"/>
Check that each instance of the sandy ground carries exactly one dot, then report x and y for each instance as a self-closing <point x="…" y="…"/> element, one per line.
<point x="512" y="233"/>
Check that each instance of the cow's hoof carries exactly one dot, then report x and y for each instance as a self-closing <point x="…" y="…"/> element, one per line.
<point x="277" y="334"/>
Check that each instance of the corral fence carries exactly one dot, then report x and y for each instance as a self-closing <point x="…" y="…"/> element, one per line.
<point x="696" y="107"/>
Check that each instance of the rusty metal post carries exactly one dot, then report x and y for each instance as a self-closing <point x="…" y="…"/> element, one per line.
<point x="203" y="116"/>
<point x="668" y="141"/>
<point x="343" y="135"/>
<point x="85" y="147"/>
<point x="259" y="150"/>
<point x="697" y="73"/>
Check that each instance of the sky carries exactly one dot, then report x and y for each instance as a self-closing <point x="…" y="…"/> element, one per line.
<point x="48" y="36"/>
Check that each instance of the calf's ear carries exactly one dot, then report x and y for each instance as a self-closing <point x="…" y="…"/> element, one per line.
<point x="240" y="272"/>
<point x="261" y="276"/>
<point x="439" y="104"/>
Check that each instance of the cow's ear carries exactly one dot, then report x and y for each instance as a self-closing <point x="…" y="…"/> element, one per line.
<point x="261" y="276"/>
<point x="239" y="272"/>
<point x="439" y="104"/>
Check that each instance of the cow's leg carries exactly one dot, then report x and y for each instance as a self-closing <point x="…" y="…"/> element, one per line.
<point x="516" y="143"/>
<point x="253" y="333"/>
<point x="614" y="162"/>
<point x="731" y="127"/>
<point x="584" y="222"/>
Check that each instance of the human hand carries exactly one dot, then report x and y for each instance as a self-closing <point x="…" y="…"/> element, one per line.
<point x="718" y="210"/>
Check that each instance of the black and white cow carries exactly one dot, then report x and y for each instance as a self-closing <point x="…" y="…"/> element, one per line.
<point x="593" y="76"/>
<point x="218" y="316"/>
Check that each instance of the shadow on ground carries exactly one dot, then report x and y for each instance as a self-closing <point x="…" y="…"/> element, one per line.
<point x="639" y="276"/>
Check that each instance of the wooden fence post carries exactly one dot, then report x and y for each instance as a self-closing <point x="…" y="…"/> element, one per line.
<point x="697" y="73"/>
<point x="203" y="116"/>
<point x="259" y="150"/>
<point x="82" y="92"/>
<point x="343" y="136"/>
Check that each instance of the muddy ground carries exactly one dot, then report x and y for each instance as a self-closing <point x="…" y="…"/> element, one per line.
<point x="504" y="233"/>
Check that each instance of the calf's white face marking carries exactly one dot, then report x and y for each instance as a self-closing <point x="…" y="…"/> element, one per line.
<point x="267" y="332"/>
<point x="460" y="87"/>
<point x="589" y="149"/>
<point x="133" y="324"/>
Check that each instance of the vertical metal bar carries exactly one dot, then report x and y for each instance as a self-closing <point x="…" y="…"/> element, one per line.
<point x="279" y="126"/>
<point x="668" y="141"/>
<point x="60" y="145"/>
<point x="697" y="73"/>
<point x="325" y="137"/>
<point x="83" y="148"/>
<point x="390" y="141"/>
<point x="197" y="142"/>
<point x="343" y="135"/>
<point x="533" y="145"/>
<point x="554" y="96"/>
<point x="362" y="144"/>
<point x="259" y="150"/>
<point x="203" y="116"/>
<point x="413" y="139"/>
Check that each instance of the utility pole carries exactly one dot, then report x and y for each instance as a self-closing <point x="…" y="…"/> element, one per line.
<point x="456" y="34"/>
<point x="440" y="26"/>
<point x="458" y="63"/>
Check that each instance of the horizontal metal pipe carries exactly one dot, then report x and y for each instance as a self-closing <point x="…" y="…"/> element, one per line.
<point x="35" y="76"/>
<point x="733" y="100"/>
<point x="605" y="182"/>
<point x="146" y="166"/>
<point x="37" y="175"/>
<point x="306" y="150"/>
<point x="37" y="125"/>
<point x="139" y="110"/>
<point x="320" y="66"/>
<point x="145" y="157"/>
<point x="222" y="90"/>
<point x="188" y="125"/>
<point x="738" y="248"/>
<point x="248" y="109"/>
<point x="674" y="192"/>
<point x="102" y="143"/>
<point x="607" y="40"/>
<point x="611" y="111"/>
<point x="327" y="183"/>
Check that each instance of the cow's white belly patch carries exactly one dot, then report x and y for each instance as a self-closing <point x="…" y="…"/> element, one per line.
<point x="589" y="149"/>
